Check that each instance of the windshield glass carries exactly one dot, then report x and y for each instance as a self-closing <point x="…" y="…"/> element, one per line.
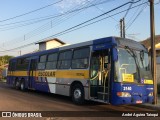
<point x="145" y="71"/>
<point x="132" y="66"/>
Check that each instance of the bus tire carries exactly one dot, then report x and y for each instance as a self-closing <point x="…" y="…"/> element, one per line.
<point x="22" y="85"/>
<point x="17" y="84"/>
<point x="78" y="94"/>
<point x="14" y="84"/>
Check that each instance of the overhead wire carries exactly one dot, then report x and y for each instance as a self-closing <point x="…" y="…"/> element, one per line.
<point x="79" y="25"/>
<point x="97" y="16"/>
<point x="102" y="11"/>
<point x="74" y="11"/>
<point x="133" y="14"/>
<point x="127" y="12"/>
<point x="56" y="22"/>
<point x="66" y="31"/>
<point x="11" y="18"/>
<point x="48" y="17"/>
<point x="129" y="8"/>
<point x="47" y="25"/>
<point x="136" y="17"/>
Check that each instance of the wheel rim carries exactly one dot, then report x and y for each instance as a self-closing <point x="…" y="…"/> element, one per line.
<point x="77" y="93"/>
<point x="17" y="84"/>
<point x="22" y="86"/>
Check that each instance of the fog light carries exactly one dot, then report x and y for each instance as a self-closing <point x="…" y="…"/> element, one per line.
<point x="150" y="94"/>
<point x="123" y="94"/>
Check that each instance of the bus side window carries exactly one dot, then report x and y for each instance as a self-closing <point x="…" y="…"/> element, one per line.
<point x="34" y="65"/>
<point x="42" y="62"/>
<point x="106" y="62"/>
<point x="12" y="66"/>
<point x="80" y="58"/>
<point x="22" y="64"/>
<point x="52" y="61"/>
<point x="95" y="66"/>
<point x="64" y="60"/>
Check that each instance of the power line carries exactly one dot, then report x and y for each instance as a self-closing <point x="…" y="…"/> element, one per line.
<point x="74" y="27"/>
<point x="65" y="31"/>
<point x="133" y="15"/>
<point x="136" y="16"/>
<point x="102" y="11"/>
<point x="122" y="21"/>
<point x="97" y="16"/>
<point x="101" y="15"/>
<point x="55" y="16"/>
<point x="31" y="11"/>
<point x="129" y="8"/>
<point x="50" y="24"/>
<point x="123" y="28"/>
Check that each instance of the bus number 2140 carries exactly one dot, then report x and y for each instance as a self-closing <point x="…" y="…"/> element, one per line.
<point x="127" y="88"/>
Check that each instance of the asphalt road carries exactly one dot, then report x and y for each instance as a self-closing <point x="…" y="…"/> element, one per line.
<point x="16" y="100"/>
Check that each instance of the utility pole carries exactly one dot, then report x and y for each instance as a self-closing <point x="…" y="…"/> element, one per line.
<point x="153" y="51"/>
<point x="121" y="32"/>
<point x="122" y="28"/>
<point x="124" y="32"/>
<point x="20" y="52"/>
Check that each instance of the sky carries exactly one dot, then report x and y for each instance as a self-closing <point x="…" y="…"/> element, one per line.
<point x="21" y="27"/>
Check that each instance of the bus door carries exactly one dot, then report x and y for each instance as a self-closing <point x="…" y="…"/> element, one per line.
<point x="32" y="73"/>
<point x="100" y="75"/>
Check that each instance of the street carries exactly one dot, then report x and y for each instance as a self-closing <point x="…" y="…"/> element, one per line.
<point x="16" y="100"/>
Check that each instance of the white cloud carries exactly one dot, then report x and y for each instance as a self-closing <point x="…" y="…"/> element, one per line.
<point x="68" y="4"/>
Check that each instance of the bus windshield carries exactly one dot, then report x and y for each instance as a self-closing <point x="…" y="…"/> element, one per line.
<point x="132" y="66"/>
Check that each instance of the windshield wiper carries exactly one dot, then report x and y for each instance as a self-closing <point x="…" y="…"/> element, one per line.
<point x="131" y="52"/>
<point x="142" y="57"/>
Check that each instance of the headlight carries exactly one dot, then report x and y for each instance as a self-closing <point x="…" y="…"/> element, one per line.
<point x="123" y="94"/>
<point x="150" y="94"/>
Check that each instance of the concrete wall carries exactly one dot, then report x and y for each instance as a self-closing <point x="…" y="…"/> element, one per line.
<point x="52" y="44"/>
<point x="158" y="60"/>
<point x="49" y="45"/>
<point x="42" y="46"/>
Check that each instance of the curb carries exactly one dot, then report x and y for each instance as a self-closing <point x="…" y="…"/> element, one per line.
<point x="2" y="81"/>
<point x="149" y="106"/>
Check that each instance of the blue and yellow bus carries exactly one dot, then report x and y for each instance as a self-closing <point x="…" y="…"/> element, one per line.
<point x="110" y="70"/>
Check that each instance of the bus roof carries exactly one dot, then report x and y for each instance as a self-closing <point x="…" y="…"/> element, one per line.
<point x="112" y="41"/>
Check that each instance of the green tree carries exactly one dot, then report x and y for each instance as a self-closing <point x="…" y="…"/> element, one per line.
<point x="4" y="59"/>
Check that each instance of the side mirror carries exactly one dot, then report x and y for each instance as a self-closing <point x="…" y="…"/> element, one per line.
<point x="115" y="54"/>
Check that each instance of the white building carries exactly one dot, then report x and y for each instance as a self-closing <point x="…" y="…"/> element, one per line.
<point x="49" y="44"/>
<point x="147" y="43"/>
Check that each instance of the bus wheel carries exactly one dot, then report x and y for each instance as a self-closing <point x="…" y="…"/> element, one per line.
<point x="17" y="84"/>
<point x="78" y="94"/>
<point x="22" y="85"/>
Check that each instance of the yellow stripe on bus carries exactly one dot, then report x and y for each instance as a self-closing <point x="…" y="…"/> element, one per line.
<point x="81" y="74"/>
<point x="17" y="73"/>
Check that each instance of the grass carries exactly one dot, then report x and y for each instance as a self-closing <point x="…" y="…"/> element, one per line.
<point x="2" y="80"/>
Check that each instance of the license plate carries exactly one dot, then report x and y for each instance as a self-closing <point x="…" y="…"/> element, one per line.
<point x="139" y="101"/>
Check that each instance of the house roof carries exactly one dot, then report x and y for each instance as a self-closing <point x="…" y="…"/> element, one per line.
<point x="55" y="39"/>
<point x="147" y="44"/>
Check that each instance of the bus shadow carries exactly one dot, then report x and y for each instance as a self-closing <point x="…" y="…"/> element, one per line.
<point x="55" y="97"/>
